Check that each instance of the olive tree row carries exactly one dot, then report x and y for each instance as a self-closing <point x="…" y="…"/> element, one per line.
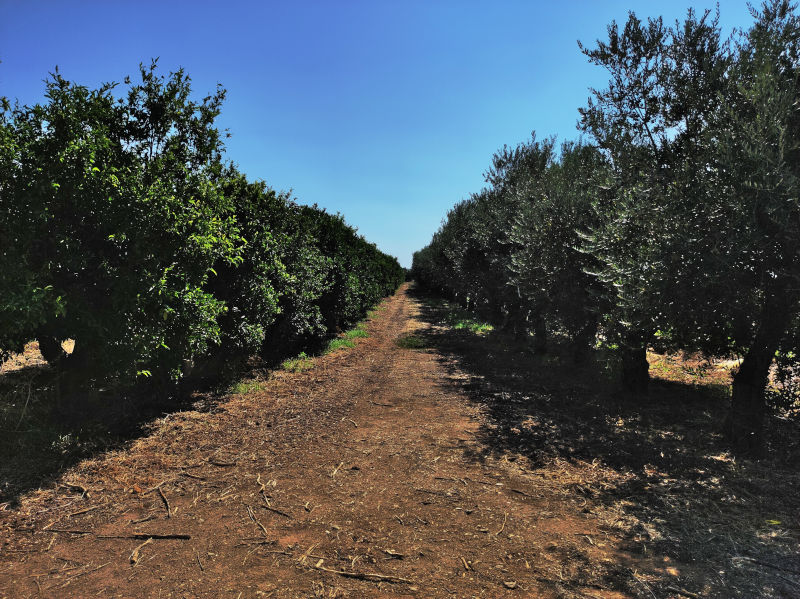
<point x="677" y="221"/>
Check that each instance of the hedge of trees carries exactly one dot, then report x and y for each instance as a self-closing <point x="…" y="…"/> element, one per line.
<point x="123" y="228"/>
<point x="676" y="223"/>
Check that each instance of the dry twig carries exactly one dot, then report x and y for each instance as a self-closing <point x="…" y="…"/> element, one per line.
<point x="134" y="557"/>
<point x="166" y="502"/>
<point x="199" y="563"/>
<point x="368" y="576"/>
<point x="683" y="592"/>
<point x="502" y="528"/>
<point x="520" y="492"/>
<point x="159" y="485"/>
<point x="272" y="509"/>
<point x="143" y="519"/>
<point x="254" y="519"/>
<point x="69" y="580"/>
<point x="147" y="535"/>
<point x="80" y="488"/>
<point x="79" y="512"/>
<point x="767" y="564"/>
<point x="262" y="490"/>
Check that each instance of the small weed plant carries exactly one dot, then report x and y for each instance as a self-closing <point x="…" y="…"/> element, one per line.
<point x="346" y="339"/>
<point x="339" y="343"/>
<point x="300" y="363"/>
<point x="410" y="341"/>
<point x="358" y="332"/>
<point x="247" y="386"/>
<point x="461" y="320"/>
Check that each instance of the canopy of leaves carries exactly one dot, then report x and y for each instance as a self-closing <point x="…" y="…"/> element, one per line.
<point x="678" y="224"/>
<point x="124" y="230"/>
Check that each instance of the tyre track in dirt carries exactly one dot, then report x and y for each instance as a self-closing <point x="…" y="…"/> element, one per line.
<point x="363" y="477"/>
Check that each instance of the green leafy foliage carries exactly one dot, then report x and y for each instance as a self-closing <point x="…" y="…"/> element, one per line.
<point x="114" y="221"/>
<point x="124" y="230"/>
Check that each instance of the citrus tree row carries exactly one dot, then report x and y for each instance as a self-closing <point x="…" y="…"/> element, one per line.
<point x="676" y="221"/>
<point x="123" y="228"/>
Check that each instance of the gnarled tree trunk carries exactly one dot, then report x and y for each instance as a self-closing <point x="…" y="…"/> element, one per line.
<point x="583" y="342"/>
<point x="51" y="349"/>
<point x="635" y="369"/>
<point x="744" y="425"/>
<point x="539" y="335"/>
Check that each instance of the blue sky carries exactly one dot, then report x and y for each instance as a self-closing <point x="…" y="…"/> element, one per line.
<point x="386" y="111"/>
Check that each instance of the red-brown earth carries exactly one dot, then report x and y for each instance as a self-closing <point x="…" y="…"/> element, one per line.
<point x="428" y="461"/>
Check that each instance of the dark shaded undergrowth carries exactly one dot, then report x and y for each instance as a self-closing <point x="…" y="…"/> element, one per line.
<point x="667" y="478"/>
<point x="43" y="432"/>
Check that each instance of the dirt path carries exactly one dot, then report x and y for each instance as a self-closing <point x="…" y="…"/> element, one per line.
<point x="363" y="477"/>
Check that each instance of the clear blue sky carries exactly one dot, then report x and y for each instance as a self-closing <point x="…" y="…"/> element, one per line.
<point x="385" y="111"/>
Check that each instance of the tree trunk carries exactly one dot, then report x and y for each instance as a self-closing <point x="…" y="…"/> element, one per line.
<point x="521" y="327"/>
<point x="539" y="335"/>
<point x="744" y="425"/>
<point x="51" y="349"/>
<point x="583" y="342"/>
<point x="635" y="369"/>
<point x="76" y="370"/>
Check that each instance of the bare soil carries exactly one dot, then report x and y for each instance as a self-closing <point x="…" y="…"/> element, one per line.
<point x="424" y="462"/>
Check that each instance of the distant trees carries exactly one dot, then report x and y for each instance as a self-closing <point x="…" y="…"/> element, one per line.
<point x="678" y="223"/>
<point x="123" y="229"/>
<point x="556" y="276"/>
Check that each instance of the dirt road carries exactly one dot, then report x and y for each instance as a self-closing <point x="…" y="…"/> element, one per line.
<point x="365" y="476"/>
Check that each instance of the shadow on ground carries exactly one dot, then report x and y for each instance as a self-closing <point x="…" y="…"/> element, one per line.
<point x="42" y="434"/>
<point x="675" y="488"/>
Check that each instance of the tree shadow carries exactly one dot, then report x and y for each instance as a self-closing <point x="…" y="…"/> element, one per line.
<point x="43" y="433"/>
<point x="684" y="494"/>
